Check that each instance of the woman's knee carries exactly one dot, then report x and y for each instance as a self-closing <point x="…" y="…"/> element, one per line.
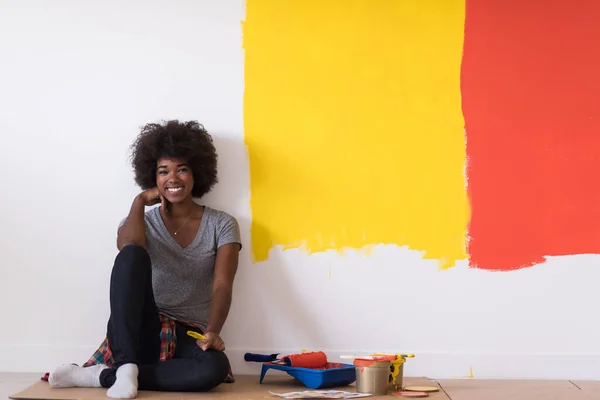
<point x="213" y="369"/>
<point x="133" y="258"/>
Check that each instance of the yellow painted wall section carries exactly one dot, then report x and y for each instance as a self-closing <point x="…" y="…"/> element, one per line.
<point x="354" y="127"/>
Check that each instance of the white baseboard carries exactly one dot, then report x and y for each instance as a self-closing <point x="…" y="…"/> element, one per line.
<point x="41" y="358"/>
<point x="38" y="358"/>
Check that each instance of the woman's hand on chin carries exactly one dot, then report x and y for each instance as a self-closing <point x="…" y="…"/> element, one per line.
<point x="151" y="197"/>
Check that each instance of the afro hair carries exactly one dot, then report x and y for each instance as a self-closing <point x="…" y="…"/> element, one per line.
<point x="188" y="141"/>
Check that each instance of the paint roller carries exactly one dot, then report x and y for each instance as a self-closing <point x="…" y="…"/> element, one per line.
<point x="314" y="360"/>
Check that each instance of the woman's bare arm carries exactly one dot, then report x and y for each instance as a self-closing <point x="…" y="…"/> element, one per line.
<point x="134" y="229"/>
<point x="225" y="269"/>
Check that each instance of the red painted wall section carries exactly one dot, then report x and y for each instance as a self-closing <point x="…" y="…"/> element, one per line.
<point x="531" y="102"/>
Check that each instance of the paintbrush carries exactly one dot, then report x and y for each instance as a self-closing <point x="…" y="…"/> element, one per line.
<point x="376" y="355"/>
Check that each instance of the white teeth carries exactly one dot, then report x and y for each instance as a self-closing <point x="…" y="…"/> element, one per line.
<point x="173" y="190"/>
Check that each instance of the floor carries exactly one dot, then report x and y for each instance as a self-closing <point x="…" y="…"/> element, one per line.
<point x="248" y="389"/>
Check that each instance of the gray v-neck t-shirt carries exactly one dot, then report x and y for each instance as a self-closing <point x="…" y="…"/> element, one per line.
<point x="182" y="277"/>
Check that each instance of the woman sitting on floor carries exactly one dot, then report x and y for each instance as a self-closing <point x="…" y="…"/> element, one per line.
<point x="174" y="273"/>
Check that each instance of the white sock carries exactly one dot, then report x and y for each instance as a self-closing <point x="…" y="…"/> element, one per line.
<point x="69" y="375"/>
<point x="126" y="385"/>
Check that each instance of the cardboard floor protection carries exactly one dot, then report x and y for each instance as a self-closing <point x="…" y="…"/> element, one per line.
<point x="248" y="388"/>
<point x="245" y="388"/>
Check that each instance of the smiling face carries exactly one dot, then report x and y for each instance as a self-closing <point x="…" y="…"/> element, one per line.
<point x="174" y="179"/>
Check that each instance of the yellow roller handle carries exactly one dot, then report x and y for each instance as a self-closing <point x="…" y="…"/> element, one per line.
<point x="196" y="335"/>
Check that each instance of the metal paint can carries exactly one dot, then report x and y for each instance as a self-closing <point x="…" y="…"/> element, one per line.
<point x="372" y="376"/>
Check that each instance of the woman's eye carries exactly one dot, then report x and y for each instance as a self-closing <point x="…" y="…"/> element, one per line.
<point x="183" y="170"/>
<point x="162" y="172"/>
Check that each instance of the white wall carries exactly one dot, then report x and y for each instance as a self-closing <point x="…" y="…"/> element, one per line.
<point x="77" y="80"/>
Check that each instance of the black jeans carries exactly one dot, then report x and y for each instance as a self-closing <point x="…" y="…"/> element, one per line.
<point x="134" y="329"/>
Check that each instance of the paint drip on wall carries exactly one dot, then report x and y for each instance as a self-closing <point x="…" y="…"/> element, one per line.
<point x="354" y="127"/>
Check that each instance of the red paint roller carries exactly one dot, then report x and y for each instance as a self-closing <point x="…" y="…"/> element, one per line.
<point x="315" y="359"/>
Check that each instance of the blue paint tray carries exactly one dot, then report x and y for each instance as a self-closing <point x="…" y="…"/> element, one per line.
<point x="335" y="374"/>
